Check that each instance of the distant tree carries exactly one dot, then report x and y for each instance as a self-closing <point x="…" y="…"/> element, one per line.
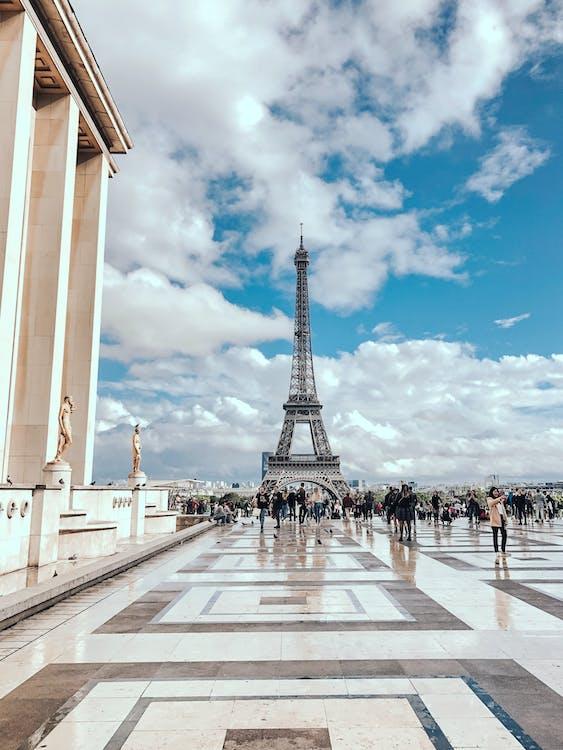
<point x="233" y="498"/>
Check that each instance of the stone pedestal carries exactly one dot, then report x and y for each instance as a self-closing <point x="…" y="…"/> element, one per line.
<point x="138" y="512"/>
<point x="45" y="520"/>
<point x="59" y="474"/>
<point x="136" y="478"/>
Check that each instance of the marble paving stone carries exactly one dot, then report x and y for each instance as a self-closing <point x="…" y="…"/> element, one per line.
<point x="109" y="708"/>
<point x="187" y="739"/>
<point x="277" y="739"/>
<point x="84" y="735"/>
<point x="110" y="689"/>
<point x="551" y="588"/>
<point x="363" y="738"/>
<point x="363" y="712"/>
<point x="279" y="714"/>
<point x="362" y="606"/>
<point x="421" y="652"/>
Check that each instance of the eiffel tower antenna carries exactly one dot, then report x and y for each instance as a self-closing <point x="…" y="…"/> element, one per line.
<point x="303" y="406"/>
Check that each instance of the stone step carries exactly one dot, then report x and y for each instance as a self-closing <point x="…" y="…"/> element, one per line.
<point x="96" y="539"/>
<point x="160" y="521"/>
<point x="73" y="519"/>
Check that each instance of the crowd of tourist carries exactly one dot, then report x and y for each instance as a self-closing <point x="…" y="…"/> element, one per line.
<point x="526" y="506"/>
<point x="400" y="508"/>
<point x="192" y="506"/>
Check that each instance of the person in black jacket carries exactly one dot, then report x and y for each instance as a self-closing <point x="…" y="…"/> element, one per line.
<point x="302" y="502"/>
<point x="405" y="510"/>
<point x="435" y="508"/>
<point x="368" y="505"/>
<point x="291" y="501"/>
<point x="277" y="507"/>
<point x="263" y="505"/>
<point x="390" y="505"/>
<point x="520" y="503"/>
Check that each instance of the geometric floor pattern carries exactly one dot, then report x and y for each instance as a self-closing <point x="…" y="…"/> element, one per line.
<point x="340" y="637"/>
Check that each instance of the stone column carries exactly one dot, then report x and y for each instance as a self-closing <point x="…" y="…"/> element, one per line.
<point x="43" y="320"/>
<point x="84" y="308"/>
<point x="17" y="61"/>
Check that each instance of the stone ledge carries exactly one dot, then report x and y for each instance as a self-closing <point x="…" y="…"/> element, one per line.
<point x="26" y="602"/>
<point x="94" y="526"/>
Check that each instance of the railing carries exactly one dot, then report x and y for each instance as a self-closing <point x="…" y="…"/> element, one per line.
<point x="304" y="458"/>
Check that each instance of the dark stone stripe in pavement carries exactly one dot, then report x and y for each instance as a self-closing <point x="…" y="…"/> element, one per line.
<point x="32" y="709"/>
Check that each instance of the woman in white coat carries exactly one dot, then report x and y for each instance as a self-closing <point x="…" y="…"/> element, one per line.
<point x="497" y="517"/>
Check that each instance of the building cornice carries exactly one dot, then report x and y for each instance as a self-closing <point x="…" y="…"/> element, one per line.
<point x="58" y="28"/>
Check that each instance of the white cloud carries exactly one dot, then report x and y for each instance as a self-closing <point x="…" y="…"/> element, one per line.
<point x="387" y="332"/>
<point x="145" y="315"/>
<point x="346" y="276"/>
<point x="488" y="40"/>
<point x="509" y="322"/>
<point x="432" y="409"/>
<point x="240" y="105"/>
<point x="240" y="109"/>
<point x="111" y="412"/>
<point x="516" y="156"/>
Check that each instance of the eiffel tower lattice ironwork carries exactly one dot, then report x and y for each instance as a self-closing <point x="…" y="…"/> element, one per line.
<point x="303" y="406"/>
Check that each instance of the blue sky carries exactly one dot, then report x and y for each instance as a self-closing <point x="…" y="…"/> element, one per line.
<point x="421" y="146"/>
<point x="514" y="257"/>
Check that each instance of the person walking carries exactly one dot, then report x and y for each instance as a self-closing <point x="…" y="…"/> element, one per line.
<point x="435" y="501"/>
<point x="470" y="506"/>
<point x="302" y="502"/>
<point x="403" y="511"/>
<point x="550" y="504"/>
<point x="368" y="506"/>
<point x="317" y="498"/>
<point x="291" y="502"/>
<point x="263" y="505"/>
<point x="474" y="509"/>
<point x="520" y="503"/>
<point x="277" y="507"/>
<point x="308" y="507"/>
<point x="497" y="515"/>
<point x="540" y="501"/>
<point x="392" y="509"/>
<point x="285" y="506"/>
<point x="529" y="506"/>
<point x="387" y="501"/>
<point x="347" y="505"/>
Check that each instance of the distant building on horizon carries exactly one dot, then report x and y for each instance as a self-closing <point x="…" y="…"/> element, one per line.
<point x="357" y="484"/>
<point x="492" y="480"/>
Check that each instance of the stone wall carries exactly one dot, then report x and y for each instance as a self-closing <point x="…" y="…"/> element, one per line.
<point x="42" y="524"/>
<point x="15" y="527"/>
<point x="106" y="504"/>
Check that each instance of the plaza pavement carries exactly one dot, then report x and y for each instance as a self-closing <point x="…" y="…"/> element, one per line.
<point x="333" y="637"/>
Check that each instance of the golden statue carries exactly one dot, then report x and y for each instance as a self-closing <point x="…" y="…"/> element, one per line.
<point x="65" y="427"/>
<point x="136" y="449"/>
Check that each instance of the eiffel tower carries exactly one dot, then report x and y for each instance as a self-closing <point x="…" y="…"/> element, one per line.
<point x="303" y="406"/>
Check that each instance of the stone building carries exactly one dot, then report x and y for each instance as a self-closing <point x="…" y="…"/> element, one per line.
<point x="59" y="129"/>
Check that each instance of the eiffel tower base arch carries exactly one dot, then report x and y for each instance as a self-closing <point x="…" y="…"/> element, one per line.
<point x="323" y="471"/>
